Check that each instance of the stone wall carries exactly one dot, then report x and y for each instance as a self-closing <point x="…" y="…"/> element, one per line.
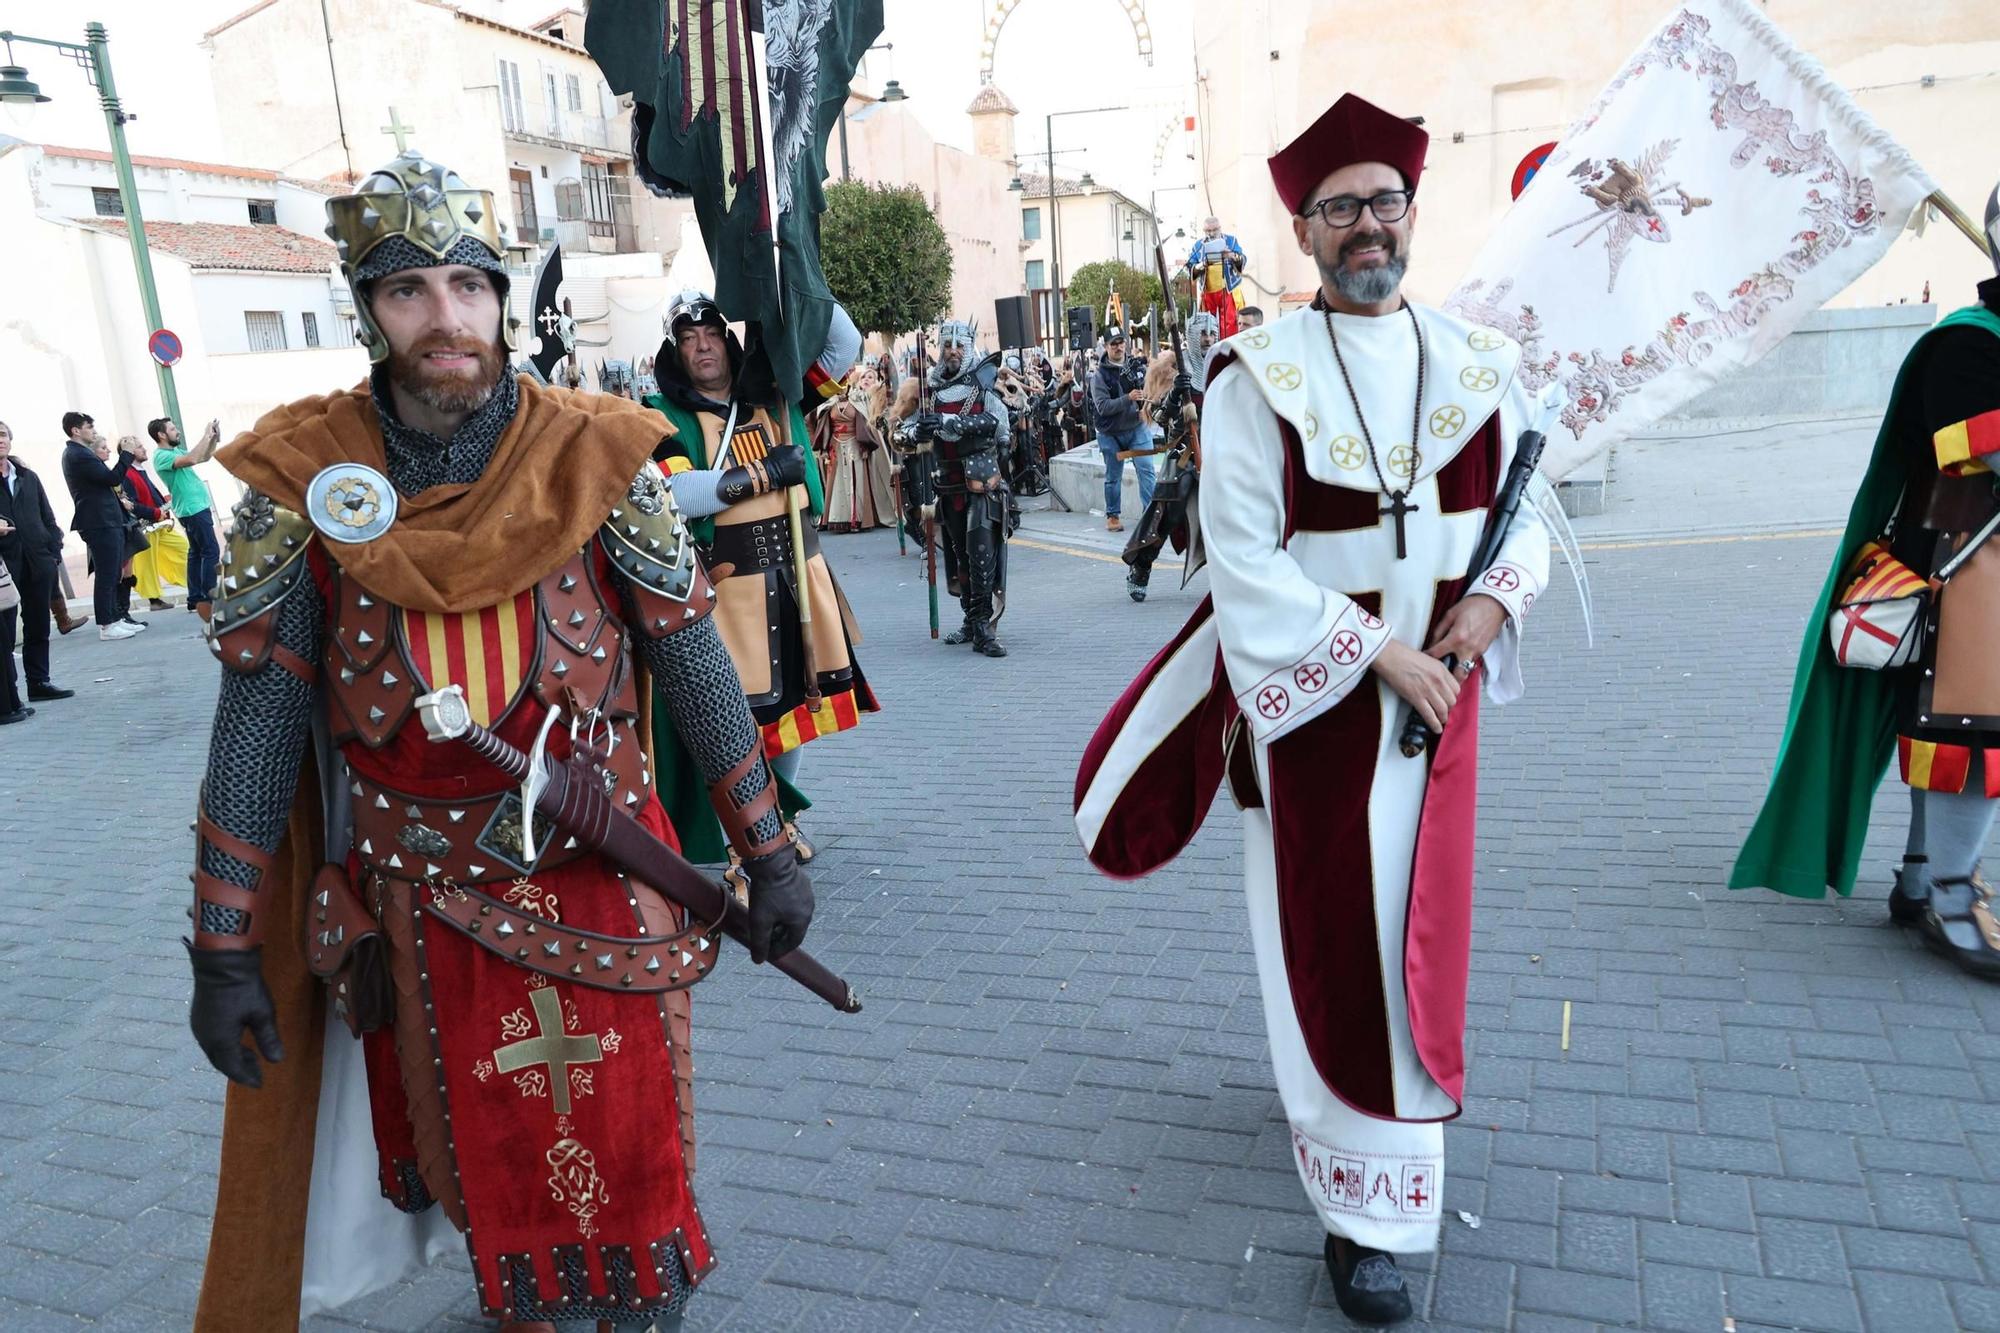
<point x="1837" y="362"/>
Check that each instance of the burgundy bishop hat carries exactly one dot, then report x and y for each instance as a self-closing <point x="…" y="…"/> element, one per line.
<point x="1352" y="130"/>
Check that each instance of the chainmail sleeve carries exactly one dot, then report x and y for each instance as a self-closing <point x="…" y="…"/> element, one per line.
<point x="698" y="683"/>
<point x="262" y="723"/>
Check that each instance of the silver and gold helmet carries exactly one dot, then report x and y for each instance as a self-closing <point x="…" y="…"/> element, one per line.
<point x="693" y="306"/>
<point x="414" y="213"/>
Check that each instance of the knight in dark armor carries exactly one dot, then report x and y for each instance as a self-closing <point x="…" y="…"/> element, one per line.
<point x="1172" y="515"/>
<point x="522" y="1074"/>
<point x="963" y="426"/>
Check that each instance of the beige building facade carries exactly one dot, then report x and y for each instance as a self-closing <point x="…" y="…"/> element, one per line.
<point x="521" y="111"/>
<point x="1492" y="84"/>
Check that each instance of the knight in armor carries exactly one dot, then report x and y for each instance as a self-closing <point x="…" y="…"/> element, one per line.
<point x="965" y="432"/>
<point x="522" y="1073"/>
<point x="1171" y="517"/>
<point x="1928" y="499"/>
<point x="1216" y="266"/>
<point x="736" y="453"/>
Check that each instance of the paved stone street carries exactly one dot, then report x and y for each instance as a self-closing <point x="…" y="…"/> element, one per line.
<point x="1055" y="1112"/>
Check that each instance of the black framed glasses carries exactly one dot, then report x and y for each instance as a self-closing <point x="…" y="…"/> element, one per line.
<point x="1344" y="210"/>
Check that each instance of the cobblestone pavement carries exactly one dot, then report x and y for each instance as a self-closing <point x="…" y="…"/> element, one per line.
<point x="1056" y="1112"/>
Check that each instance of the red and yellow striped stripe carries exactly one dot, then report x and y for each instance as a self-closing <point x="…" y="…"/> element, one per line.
<point x="1934" y="766"/>
<point x="486" y="653"/>
<point x="1880" y="576"/>
<point x="1964" y="446"/>
<point x="837" y="713"/>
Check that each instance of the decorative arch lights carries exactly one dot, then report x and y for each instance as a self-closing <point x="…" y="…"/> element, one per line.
<point x="1002" y="10"/>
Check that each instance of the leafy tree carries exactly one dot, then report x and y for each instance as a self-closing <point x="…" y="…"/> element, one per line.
<point x="886" y="258"/>
<point x="1093" y="284"/>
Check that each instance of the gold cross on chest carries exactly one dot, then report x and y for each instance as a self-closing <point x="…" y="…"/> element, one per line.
<point x="400" y="130"/>
<point x="551" y="1048"/>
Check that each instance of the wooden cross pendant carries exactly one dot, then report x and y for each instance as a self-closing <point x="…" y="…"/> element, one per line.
<point x="1399" y="505"/>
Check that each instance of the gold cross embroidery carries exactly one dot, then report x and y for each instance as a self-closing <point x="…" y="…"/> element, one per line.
<point x="551" y="1048"/>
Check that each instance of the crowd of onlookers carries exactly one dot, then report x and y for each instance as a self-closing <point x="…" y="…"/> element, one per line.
<point x="142" y="533"/>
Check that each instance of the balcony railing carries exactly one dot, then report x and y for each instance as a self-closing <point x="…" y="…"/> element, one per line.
<point x="565" y="127"/>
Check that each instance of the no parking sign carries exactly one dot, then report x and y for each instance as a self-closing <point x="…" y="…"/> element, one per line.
<point x="165" y="346"/>
<point x="1530" y="164"/>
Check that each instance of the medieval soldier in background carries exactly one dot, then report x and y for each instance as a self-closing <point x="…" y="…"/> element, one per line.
<point x="732" y="465"/>
<point x="452" y="524"/>
<point x="1928" y="495"/>
<point x="1340" y="557"/>
<point x="1171" y="517"/>
<point x="965" y="432"/>
<point x="1216" y="266"/>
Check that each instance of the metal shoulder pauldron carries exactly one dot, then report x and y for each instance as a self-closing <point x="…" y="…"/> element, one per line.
<point x="262" y="563"/>
<point x="651" y="546"/>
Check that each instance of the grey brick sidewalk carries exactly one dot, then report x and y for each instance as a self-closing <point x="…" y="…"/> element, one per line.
<point x="1055" y="1112"/>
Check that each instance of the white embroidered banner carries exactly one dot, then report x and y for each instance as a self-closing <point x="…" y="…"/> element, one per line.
<point x="1720" y="189"/>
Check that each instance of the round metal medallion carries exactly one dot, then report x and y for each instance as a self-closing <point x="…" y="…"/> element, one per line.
<point x="351" y="502"/>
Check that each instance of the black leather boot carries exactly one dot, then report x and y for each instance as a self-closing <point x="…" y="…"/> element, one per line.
<point x="1910" y="892"/>
<point x="1367" y="1283"/>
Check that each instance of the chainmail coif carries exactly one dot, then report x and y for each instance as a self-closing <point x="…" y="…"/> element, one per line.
<point x="419" y="460"/>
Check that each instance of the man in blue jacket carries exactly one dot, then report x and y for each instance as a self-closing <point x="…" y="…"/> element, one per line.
<point x="1121" y="425"/>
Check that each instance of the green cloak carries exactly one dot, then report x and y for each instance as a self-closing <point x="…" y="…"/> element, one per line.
<point x="1842" y="729"/>
<point x="682" y="790"/>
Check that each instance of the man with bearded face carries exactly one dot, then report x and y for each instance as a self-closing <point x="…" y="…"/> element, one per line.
<point x="965" y="434"/>
<point x="1216" y="266"/>
<point x="521" y="1005"/>
<point x="1351" y="452"/>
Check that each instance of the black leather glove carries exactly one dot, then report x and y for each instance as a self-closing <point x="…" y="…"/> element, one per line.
<point x="786" y="465"/>
<point x="229" y="996"/>
<point x="781" y="904"/>
<point x="1183" y="383"/>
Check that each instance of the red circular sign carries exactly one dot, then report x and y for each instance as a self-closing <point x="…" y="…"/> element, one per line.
<point x="165" y="346"/>
<point x="1530" y="164"/>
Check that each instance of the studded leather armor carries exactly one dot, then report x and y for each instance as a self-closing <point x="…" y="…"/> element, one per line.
<point x="559" y="644"/>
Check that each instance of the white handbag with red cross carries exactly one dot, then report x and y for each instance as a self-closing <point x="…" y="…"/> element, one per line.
<point x="1878" y="622"/>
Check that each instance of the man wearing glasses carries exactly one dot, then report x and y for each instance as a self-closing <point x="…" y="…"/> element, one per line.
<point x="1350" y="454"/>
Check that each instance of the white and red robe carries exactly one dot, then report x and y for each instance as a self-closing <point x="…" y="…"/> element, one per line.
<point x="1358" y="861"/>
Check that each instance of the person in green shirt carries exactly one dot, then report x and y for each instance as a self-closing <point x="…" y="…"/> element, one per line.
<point x="193" y="505"/>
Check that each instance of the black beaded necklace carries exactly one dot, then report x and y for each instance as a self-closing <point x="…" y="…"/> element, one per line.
<point x="1399" y="501"/>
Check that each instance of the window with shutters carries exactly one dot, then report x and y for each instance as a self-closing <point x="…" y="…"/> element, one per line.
<point x="597" y="199"/>
<point x="575" y="93"/>
<point x="553" y="102"/>
<point x="108" y="203"/>
<point x="1037" y="275"/>
<point x="266" y="330"/>
<point x="311" y="322"/>
<point x="512" y="115"/>
<point x="1031" y="224"/>
<point x="264" y="212"/>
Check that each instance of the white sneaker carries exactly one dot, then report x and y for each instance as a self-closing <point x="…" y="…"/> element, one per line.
<point x="136" y="624"/>
<point x="118" y="630"/>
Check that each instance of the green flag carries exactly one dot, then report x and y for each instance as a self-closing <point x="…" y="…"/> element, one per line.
<point x="704" y="110"/>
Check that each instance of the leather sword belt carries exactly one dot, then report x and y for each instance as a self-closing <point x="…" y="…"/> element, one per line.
<point x="647" y="963"/>
<point x="761" y="544"/>
<point x="956" y="475"/>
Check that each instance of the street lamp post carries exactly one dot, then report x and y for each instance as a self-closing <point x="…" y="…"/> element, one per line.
<point x="94" y="56"/>
<point x="1055" y="219"/>
<point x="892" y="91"/>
